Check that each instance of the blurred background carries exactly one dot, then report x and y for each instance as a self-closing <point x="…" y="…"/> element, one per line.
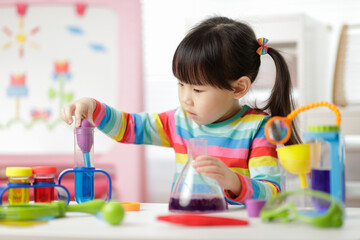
<point x="120" y="52"/>
<point x="307" y="32"/>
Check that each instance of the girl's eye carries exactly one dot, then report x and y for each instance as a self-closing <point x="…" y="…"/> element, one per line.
<point x="197" y="91"/>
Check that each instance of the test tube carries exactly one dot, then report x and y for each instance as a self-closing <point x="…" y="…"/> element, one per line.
<point x="19" y="175"/>
<point x="44" y="174"/>
<point x="84" y="177"/>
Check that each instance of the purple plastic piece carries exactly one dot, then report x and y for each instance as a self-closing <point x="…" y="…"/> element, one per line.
<point x="84" y="136"/>
<point x="254" y="206"/>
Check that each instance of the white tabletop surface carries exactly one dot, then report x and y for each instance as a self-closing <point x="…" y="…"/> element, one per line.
<point x="143" y="225"/>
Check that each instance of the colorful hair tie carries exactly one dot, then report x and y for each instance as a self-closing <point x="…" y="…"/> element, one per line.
<point x="262" y="50"/>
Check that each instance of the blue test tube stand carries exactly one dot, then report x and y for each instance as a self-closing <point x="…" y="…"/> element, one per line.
<point x="85" y="185"/>
<point x="63" y="193"/>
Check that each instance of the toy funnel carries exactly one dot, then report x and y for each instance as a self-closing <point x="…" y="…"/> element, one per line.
<point x="297" y="159"/>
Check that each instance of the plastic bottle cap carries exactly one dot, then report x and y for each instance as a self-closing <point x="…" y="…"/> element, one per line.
<point x="18" y="171"/>
<point x="323" y="128"/>
<point x="44" y="170"/>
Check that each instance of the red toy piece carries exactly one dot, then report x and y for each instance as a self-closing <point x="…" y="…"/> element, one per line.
<point x="201" y="220"/>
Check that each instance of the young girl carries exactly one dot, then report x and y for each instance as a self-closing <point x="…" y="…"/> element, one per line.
<point x="215" y="65"/>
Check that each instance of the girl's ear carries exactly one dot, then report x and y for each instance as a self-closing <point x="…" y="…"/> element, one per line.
<point x="241" y="86"/>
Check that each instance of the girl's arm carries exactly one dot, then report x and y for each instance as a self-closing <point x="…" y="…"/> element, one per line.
<point x="264" y="181"/>
<point x="136" y="128"/>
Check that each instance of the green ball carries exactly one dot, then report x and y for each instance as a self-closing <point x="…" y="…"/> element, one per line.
<point x="113" y="212"/>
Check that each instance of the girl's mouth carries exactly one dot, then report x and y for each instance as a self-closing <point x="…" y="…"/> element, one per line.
<point x="191" y="114"/>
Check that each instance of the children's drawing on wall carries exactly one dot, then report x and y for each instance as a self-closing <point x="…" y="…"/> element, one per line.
<point x="49" y="55"/>
<point x="18" y="89"/>
<point x="20" y="37"/>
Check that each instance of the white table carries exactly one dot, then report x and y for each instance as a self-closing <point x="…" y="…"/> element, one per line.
<point x="143" y="225"/>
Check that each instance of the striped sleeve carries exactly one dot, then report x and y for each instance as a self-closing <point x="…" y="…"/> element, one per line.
<point x="264" y="180"/>
<point x="136" y="128"/>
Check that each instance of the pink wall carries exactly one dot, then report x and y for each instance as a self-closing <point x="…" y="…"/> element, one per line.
<point x="127" y="160"/>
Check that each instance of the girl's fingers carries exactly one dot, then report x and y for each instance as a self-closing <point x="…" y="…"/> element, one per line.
<point x="202" y="162"/>
<point x="208" y="169"/>
<point x="90" y="117"/>
<point x="78" y="116"/>
<point x="81" y="110"/>
<point x="68" y="113"/>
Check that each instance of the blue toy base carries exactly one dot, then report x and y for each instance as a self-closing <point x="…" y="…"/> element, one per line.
<point x="84" y="182"/>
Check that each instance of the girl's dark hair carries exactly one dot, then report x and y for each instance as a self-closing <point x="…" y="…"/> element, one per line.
<point x="220" y="50"/>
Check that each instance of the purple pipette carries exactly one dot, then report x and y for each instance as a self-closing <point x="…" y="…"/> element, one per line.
<point x="85" y="139"/>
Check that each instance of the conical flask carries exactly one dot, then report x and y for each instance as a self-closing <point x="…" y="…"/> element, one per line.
<point x="193" y="191"/>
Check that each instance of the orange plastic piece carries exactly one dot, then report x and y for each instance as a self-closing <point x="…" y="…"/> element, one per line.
<point x="131" y="206"/>
<point x="288" y="134"/>
<point x="333" y="107"/>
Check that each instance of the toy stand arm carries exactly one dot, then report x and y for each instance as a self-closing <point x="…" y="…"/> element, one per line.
<point x="333" y="107"/>
<point x="3" y="189"/>
<point x="63" y="193"/>
<point x="94" y="170"/>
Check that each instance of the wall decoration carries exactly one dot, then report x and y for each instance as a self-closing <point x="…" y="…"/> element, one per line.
<point x="50" y="55"/>
<point x="20" y="37"/>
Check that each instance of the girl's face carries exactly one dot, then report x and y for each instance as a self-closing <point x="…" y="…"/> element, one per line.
<point x="207" y="104"/>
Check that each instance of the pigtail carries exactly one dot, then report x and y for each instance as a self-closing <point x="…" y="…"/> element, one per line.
<point x="281" y="102"/>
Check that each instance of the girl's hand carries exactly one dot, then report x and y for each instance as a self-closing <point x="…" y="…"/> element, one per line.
<point x="83" y="107"/>
<point x="215" y="168"/>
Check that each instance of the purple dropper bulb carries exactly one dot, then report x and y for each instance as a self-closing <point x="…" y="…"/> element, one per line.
<point x="85" y="139"/>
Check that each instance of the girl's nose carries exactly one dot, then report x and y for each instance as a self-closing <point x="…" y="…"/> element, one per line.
<point x="187" y="98"/>
<point x="189" y="101"/>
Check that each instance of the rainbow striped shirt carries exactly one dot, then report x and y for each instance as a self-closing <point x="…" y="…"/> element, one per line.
<point x="239" y="142"/>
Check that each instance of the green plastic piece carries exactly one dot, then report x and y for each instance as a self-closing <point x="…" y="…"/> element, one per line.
<point x="32" y="211"/>
<point x="91" y="207"/>
<point x="112" y="212"/>
<point x="286" y="211"/>
<point x="324" y="128"/>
